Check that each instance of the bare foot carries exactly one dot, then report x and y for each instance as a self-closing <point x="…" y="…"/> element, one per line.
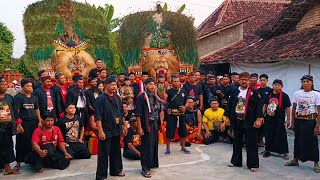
<point x="41" y="170"/>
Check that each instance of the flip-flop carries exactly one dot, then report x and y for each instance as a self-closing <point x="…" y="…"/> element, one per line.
<point x="167" y="152"/>
<point x="11" y="172"/>
<point x="230" y="165"/>
<point x="266" y="154"/>
<point x="146" y="174"/>
<point x="317" y="169"/>
<point x="254" y="169"/>
<point x="186" y="151"/>
<point x="262" y="153"/>
<point x="291" y="163"/>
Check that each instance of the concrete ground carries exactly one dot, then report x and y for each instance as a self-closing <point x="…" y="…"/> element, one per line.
<point x="204" y="162"/>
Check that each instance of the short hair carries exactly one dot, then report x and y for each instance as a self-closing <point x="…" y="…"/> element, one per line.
<point x="226" y="75"/>
<point x="191" y="74"/>
<point x="40" y="73"/>
<point x="244" y="74"/>
<point x="99" y="60"/>
<point x="121" y="74"/>
<point x="58" y="75"/>
<point x="264" y="76"/>
<point x="47" y="115"/>
<point x="131" y="73"/>
<point x="103" y="70"/>
<point x="214" y="99"/>
<point x="68" y="104"/>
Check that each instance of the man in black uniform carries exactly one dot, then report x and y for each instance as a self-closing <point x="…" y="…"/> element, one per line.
<point x="245" y="110"/>
<point x="60" y="94"/>
<point x="137" y="86"/>
<point x="28" y="118"/>
<point x="45" y="96"/>
<point x="194" y="90"/>
<point x="212" y="90"/>
<point x="77" y="96"/>
<point x="110" y="119"/>
<point x="147" y="110"/>
<point x="7" y="129"/>
<point x="72" y="130"/>
<point x="95" y="72"/>
<point x="92" y="91"/>
<point x="176" y="98"/>
<point x="263" y="91"/>
<point x="276" y="106"/>
<point x="132" y="142"/>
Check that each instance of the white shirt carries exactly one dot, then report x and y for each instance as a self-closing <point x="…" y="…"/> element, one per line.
<point x="307" y="102"/>
<point x="241" y="104"/>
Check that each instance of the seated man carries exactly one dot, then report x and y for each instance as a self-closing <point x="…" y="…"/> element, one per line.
<point x="194" y="123"/>
<point x="213" y="122"/>
<point x="44" y="141"/>
<point x="71" y="126"/>
<point x="132" y="142"/>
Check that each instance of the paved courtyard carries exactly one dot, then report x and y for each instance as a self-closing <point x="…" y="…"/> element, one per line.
<point x="204" y="162"/>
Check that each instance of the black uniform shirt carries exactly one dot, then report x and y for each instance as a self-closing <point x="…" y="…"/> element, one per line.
<point x="70" y="128"/>
<point x="179" y="100"/>
<point x="26" y="106"/>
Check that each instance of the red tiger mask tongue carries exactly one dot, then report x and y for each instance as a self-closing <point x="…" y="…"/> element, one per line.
<point x="161" y="72"/>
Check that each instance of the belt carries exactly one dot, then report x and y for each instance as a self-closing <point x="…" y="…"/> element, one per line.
<point x="240" y="116"/>
<point x="5" y="120"/>
<point x="306" y="117"/>
<point x="174" y="112"/>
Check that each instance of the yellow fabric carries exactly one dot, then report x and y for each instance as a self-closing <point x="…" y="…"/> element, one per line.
<point x="210" y="117"/>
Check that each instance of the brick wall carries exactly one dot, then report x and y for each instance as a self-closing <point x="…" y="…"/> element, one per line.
<point x="311" y="19"/>
<point x="220" y="40"/>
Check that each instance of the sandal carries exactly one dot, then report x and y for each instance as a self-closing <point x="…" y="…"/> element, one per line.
<point x="167" y="152"/>
<point x="285" y="157"/>
<point x="317" y="169"/>
<point x="17" y="168"/>
<point x="291" y="163"/>
<point x="230" y="165"/>
<point x="11" y="172"/>
<point x="186" y="151"/>
<point x="262" y="153"/>
<point x="146" y="174"/>
<point x="254" y="169"/>
<point x="266" y="154"/>
<point x="121" y="174"/>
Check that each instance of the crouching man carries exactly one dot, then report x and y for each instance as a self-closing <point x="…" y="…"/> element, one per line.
<point x="49" y="148"/>
<point x="132" y="142"/>
<point x="71" y="126"/>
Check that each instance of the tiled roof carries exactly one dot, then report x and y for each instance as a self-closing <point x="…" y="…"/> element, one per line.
<point x="297" y="44"/>
<point x="233" y="11"/>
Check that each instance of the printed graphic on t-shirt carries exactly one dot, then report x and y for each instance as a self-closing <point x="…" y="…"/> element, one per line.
<point x="272" y="106"/>
<point x="28" y="106"/>
<point x="191" y="93"/>
<point x="5" y="113"/>
<point x="240" y="108"/>
<point x="304" y="106"/>
<point x="136" y="140"/>
<point x="95" y="95"/>
<point x="72" y="131"/>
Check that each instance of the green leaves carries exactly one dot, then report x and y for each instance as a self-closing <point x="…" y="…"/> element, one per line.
<point x="181" y="9"/>
<point x="6" y="46"/>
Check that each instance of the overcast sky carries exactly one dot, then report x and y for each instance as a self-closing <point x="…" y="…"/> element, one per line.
<point x="11" y="12"/>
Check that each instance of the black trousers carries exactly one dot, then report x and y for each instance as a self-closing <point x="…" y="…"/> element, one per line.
<point x="6" y="144"/>
<point x="23" y="141"/>
<point x="214" y="137"/>
<point x="241" y="128"/>
<point x="149" y="153"/>
<point x="58" y="162"/>
<point x="130" y="154"/>
<point x="109" y="150"/>
<point x="172" y="125"/>
<point x="78" y="151"/>
<point x="276" y="135"/>
<point x="305" y="143"/>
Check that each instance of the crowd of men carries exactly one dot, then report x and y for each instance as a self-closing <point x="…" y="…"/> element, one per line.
<point x="50" y="118"/>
